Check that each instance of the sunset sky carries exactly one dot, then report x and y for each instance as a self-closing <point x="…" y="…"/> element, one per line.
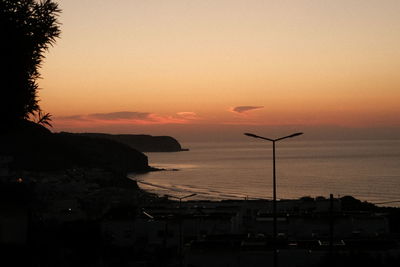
<point x="208" y="66"/>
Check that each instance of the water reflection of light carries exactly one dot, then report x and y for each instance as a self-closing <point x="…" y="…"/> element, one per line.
<point x="173" y="166"/>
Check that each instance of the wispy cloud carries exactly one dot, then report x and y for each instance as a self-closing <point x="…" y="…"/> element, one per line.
<point x="244" y="109"/>
<point x="189" y="115"/>
<point x="127" y="117"/>
<point x="73" y="118"/>
<point x="122" y="115"/>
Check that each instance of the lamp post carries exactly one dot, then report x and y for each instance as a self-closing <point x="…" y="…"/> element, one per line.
<point x="274" y="225"/>
<point x="180" y="225"/>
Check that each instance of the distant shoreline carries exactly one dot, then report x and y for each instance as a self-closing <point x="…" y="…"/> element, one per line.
<point x="359" y="203"/>
<point x="140" y="142"/>
<point x="198" y="198"/>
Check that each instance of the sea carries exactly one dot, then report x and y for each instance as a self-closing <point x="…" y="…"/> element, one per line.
<point x="365" y="169"/>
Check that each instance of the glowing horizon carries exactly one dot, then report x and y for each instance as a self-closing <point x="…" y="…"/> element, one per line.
<point x="171" y="63"/>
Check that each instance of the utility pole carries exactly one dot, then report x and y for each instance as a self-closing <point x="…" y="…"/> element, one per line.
<point x="331" y="218"/>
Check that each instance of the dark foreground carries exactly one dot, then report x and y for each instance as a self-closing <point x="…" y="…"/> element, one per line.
<point x="94" y="217"/>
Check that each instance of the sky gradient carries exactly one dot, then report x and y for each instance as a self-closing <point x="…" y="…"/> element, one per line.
<point x="168" y="66"/>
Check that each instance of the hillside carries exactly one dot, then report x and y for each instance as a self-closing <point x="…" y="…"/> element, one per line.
<point x="33" y="147"/>
<point x="143" y="143"/>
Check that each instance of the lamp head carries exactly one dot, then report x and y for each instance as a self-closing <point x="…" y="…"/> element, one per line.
<point x="251" y="135"/>
<point x="295" y="134"/>
<point x="189" y="196"/>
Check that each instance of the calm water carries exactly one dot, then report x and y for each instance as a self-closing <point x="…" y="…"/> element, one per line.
<point x="368" y="170"/>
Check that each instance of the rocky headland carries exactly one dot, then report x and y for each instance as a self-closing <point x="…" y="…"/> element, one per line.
<point x="80" y="174"/>
<point x="33" y="147"/>
<point x="140" y="142"/>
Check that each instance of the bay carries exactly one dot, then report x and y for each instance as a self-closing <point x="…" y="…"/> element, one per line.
<point x="366" y="169"/>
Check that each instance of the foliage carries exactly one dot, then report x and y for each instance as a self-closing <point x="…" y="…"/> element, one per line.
<point x="27" y="29"/>
<point x="43" y="118"/>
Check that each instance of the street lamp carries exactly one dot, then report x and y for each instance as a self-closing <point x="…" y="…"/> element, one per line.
<point x="180" y="198"/>
<point x="180" y="224"/>
<point x="274" y="226"/>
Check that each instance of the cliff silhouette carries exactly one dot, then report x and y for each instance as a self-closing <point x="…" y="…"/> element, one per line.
<point x="35" y="148"/>
<point x="142" y="143"/>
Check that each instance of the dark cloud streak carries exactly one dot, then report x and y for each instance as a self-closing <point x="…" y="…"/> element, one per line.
<point x="123" y="115"/>
<point x="243" y="109"/>
<point x="73" y="118"/>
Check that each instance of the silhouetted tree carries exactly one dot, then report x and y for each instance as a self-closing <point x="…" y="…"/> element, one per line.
<point x="27" y="29"/>
<point x="43" y="118"/>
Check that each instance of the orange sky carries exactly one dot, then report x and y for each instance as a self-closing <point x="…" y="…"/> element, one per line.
<point x="124" y="64"/>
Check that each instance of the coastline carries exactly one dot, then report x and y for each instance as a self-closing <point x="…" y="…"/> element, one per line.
<point x="365" y="170"/>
